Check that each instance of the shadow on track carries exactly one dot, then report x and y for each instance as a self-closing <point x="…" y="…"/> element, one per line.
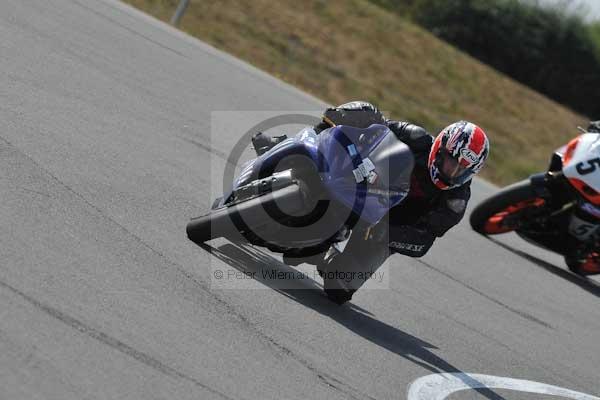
<point x="309" y="293"/>
<point x="584" y="283"/>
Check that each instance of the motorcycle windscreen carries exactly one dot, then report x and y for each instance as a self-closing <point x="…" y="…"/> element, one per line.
<point x="367" y="170"/>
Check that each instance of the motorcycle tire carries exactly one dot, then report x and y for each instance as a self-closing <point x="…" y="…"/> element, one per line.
<point x="227" y="221"/>
<point x="487" y="217"/>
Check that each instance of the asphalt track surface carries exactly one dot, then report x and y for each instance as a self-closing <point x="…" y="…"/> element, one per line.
<point x="106" y="150"/>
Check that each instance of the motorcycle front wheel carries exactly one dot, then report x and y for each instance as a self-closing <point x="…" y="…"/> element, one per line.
<point x="500" y="213"/>
<point x="234" y="219"/>
<point x="590" y="265"/>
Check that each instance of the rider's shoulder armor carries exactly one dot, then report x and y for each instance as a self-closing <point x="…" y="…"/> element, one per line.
<point x="359" y="114"/>
<point x="357" y="105"/>
<point x="416" y="137"/>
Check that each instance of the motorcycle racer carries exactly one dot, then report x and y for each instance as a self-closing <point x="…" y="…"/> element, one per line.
<point x="437" y="200"/>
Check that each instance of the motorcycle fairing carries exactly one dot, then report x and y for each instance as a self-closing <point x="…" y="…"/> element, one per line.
<point x="581" y="166"/>
<point x="342" y="151"/>
<point x="339" y="151"/>
<point x="304" y="143"/>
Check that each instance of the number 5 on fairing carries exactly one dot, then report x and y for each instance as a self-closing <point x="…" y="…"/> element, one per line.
<point x="591" y="168"/>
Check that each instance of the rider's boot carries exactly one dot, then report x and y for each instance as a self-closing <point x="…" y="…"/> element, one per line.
<point x="295" y="258"/>
<point x="339" y="296"/>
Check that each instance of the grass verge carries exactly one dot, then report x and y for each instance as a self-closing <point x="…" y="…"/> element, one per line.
<point x="347" y="50"/>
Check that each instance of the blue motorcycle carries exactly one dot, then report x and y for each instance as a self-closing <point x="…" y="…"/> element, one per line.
<point x="311" y="191"/>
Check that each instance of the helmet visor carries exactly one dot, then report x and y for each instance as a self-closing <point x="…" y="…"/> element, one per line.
<point x="451" y="171"/>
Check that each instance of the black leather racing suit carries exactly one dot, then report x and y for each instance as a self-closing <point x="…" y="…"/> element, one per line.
<point x="427" y="212"/>
<point x="411" y="227"/>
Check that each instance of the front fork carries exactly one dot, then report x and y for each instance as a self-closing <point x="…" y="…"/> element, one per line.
<point x="546" y="186"/>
